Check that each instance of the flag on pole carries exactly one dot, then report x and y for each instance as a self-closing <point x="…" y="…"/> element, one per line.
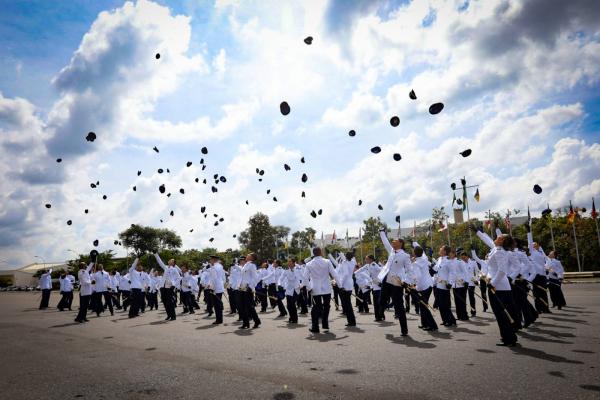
<point x="528" y="217"/>
<point x="594" y="213"/>
<point x="571" y="215"/>
<point x="333" y="237"/>
<point x="507" y="221"/>
<point x="414" y="231"/>
<point x="464" y="200"/>
<point x="453" y="199"/>
<point x="476" y="195"/>
<point x="346" y="237"/>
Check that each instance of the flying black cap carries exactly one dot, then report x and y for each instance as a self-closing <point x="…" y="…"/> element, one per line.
<point x="436" y="108"/>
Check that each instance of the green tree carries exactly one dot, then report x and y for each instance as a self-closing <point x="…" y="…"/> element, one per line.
<point x="263" y="238"/>
<point x="371" y="242"/>
<point x="145" y="239"/>
<point x="302" y="241"/>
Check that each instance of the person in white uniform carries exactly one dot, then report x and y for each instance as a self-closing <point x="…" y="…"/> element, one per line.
<point x="345" y="271"/>
<point x="393" y="275"/>
<point x="85" y="291"/>
<point x="318" y="271"/>
<point x="46" y="286"/>
<point x="66" y="290"/>
<point x="556" y="274"/>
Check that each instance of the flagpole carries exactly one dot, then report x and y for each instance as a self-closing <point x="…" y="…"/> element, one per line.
<point x="448" y="229"/>
<point x="509" y="223"/>
<point x="595" y="220"/>
<point x="399" y="225"/>
<point x="576" y="247"/>
<point x="361" y="244"/>
<point x="597" y="232"/>
<point x="551" y="230"/>
<point x="431" y="233"/>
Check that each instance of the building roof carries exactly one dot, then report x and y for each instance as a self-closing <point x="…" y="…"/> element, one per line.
<point x="33" y="268"/>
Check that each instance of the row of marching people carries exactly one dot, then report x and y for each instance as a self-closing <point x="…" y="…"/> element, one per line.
<point x="506" y="277"/>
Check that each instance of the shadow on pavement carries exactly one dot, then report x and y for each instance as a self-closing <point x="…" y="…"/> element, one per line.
<point x="541" y="355"/>
<point x="325" y="337"/>
<point x="409" y="342"/>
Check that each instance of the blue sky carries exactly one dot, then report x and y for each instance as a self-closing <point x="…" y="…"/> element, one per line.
<point x="520" y="90"/>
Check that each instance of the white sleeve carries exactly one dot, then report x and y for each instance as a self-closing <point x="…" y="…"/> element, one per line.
<point x="530" y="242"/>
<point x="474" y="256"/>
<point x="498" y="232"/>
<point x="561" y="271"/>
<point x="486" y="239"/>
<point x="135" y="262"/>
<point x="385" y="241"/>
<point x="89" y="267"/>
<point x="160" y="262"/>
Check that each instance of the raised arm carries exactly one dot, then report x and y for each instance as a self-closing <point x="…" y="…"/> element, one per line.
<point x="474" y="256"/>
<point x="385" y="241"/>
<point x="89" y="267"/>
<point x="135" y="263"/>
<point x="486" y="239"/>
<point x="530" y="242"/>
<point x="160" y="261"/>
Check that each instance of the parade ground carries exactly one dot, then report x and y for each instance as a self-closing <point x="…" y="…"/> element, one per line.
<point x="46" y="355"/>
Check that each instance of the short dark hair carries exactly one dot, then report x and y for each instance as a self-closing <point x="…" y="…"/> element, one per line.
<point x="418" y="251"/>
<point x="508" y="243"/>
<point x="447" y="249"/>
<point x="317" y="251"/>
<point x="371" y="257"/>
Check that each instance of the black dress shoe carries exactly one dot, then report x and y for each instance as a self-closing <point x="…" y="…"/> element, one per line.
<point x="168" y="319"/>
<point x="217" y="322"/>
<point x="86" y="320"/>
<point x="79" y="320"/>
<point x="256" y="325"/>
<point x="350" y="325"/>
<point x="244" y="327"/>
<point x="404" y="334"/>
<point x="421" y="327"/>
<point x="313" y="330"/>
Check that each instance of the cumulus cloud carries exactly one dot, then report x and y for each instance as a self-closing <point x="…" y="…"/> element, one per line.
<point x="507" y="71"/>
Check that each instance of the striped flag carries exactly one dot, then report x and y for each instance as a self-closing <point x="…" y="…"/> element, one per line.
<point x="594" y="213"/>
<point x="507" y="221"/>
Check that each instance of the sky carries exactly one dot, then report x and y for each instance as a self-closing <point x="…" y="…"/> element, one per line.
<point x="519" y="81"/>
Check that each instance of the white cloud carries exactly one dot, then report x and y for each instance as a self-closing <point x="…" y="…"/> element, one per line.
<point x="514" y="102"/>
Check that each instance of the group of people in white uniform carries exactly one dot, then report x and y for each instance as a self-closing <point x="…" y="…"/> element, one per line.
<point x="507" y="277"/>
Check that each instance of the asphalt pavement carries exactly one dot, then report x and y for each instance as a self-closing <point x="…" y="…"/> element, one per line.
<point x="46" y="355"/>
